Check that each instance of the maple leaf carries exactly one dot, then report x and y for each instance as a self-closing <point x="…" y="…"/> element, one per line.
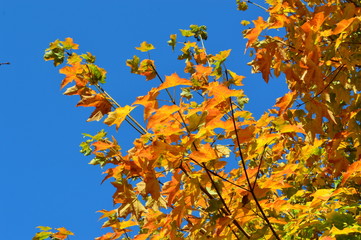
<point x="147" y="69"/>
<point x="145" y="47"/>
<point x="285" y="102"/>
<point x="174" y="80"/>
<point x="101" y="104"/>
<point x="118" y="116"/>
<point x="205" y="153"/>
<point x="253" y="33"/>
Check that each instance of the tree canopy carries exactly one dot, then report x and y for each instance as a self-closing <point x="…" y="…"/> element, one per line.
<point x="203" y="167"/>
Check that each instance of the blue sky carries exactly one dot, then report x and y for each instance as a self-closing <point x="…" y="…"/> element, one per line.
<point x="44" y="179"/>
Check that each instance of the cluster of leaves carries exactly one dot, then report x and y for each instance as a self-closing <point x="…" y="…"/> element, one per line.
<point x="54" y="234"/>
<point x="204" y="168"/>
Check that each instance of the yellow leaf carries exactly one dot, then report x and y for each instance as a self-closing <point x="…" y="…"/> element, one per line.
<point x="145" y="47"/>
<point x="291" y="128"/>
<point x="118" y="116"/>
<point x="335" y="231"/>
<point x="69" y="44"/>
<point x="124" y="224"/>
<point x="42" y="228"/>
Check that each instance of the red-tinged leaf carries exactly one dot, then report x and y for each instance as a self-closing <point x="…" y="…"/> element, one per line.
<point x="354" y="168"/>
<point x="118" y="116"/>
<point x="152" y="185"/>
<point x="101" y="104"/>
<point x="285" y="102"/>
<point x="174" y="80"/>
<point x="245" y="135"/>
<point x="205" y="153"/>
<point x="145" y="47"/>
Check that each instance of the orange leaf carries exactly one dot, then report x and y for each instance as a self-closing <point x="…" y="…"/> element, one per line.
<point x="118" y="116"/>
<point x="205" y="153"/>
<point x="149" y="101"/>
<point x="101" y="104"/>
<point x="315" y="23"/>
<point x="174" y="80"/>
<point x="110" y="236"/>
<point x="73" y="73"/>
<point x="69" y="44"/>
<point x="101" y="145"/>
<point x="253" y="33"/>
<point x="342" y="25"/>
<point x="353" y="168"/>
<point x="161" y="115"/>
<point x="285" y="102"/>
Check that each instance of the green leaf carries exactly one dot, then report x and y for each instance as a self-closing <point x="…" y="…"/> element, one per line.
<point x="214" y="205"/>
<point x="242" y="6"/>
<point x="89" y="58"/>
<point x="133" y="64"/>
<point x="42" y="235"/>
<point x="186" y="33"/>
<point x="97" y="74"/>
<point x="42" y="228"/>
<point x="199" y="32"/>
<point x="56" y="54"/>
<point x="186" y="92"/>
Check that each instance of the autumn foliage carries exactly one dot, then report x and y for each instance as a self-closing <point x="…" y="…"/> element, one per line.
<point x="203" y="167"/>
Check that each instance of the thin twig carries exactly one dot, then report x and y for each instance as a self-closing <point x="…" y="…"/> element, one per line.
<point x="256" y="4"/>
<point x="259" y="166"/>
<point x="204" y="49"/>
<point x="337" y="70"/>
<point x="247" y="177"/>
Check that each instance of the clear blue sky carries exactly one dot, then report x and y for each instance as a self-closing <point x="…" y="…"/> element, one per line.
<point x="44" y="179"/>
